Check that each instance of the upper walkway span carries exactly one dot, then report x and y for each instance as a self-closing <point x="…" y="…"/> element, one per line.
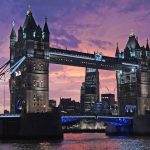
<point x="97" y="60"/>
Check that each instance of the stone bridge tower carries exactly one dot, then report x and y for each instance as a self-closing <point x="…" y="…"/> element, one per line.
<point x="134" y="85"/>
<point x="29" y="85"/>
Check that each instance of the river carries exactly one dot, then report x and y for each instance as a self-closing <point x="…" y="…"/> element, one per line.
<point x="82" y="141"/>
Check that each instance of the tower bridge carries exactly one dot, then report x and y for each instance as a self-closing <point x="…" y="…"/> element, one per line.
<point x="30" y="87"/>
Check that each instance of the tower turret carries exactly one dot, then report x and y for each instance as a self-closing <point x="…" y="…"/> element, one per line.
<point x="147" y="46"/>
<point x="20" y="33"/>
<point x="29" y="26"/>
<point x="13" y="40"/>
<point x="147" y="50"/>
<point x="13" y="33"/>
<point x="46" y="32"/>
<point x="132" y="42"/>
<point x="117" y="51"/>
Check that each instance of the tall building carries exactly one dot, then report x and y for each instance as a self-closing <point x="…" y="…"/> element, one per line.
<point x="90" y="90"/>
<point x="29" y="91"/>
<point x="133" y="86"/>
<point x="82" y="97"/>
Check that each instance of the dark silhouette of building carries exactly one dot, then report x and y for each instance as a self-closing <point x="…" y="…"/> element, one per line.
<point x="6" y="111"/>
<point x="109" y="104"/>
<point x="82" y="97"/>
<point x="29" y="91"/>
<point x="52" y="103"/>
<point x="89" y="90"/>
<point x="69" y="107"/>
<point x="103" y="109"/>
<point x="108" y="99"/>
<point x="97" y="108"/>
<point x="133" y="85"/>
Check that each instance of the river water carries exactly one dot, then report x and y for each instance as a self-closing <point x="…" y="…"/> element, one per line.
<point x="83" y="141"/>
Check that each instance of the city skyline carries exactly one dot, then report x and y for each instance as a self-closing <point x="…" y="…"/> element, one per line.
<point x="78" y="30"/>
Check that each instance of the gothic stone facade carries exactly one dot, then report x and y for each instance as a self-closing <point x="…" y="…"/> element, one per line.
<point x="134" y="85"/>
<point x="29" y="90"/>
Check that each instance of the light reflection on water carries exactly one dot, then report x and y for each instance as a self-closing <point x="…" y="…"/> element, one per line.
<point x="84" y="141"/>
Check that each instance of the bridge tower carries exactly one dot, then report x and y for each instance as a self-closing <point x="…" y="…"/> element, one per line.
<point x="29" y="85"/>
<point x="133" y="85"/>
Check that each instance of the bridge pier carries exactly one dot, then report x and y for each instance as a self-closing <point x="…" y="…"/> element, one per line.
<point x="141" y="125"/>
<point x="134" y="92"/>
<point x="140" y="108"/>
<point x="143" y="92"/>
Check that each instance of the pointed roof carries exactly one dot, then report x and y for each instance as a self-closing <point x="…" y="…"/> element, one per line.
<point x="20" y="29"/>
<point x="20" y="33"/>
<point x="29" y="21"/>
<point x="117" y="50"/>
<point x="45" y="29"/>
<point x="126" y="53"/>
<point x="13" y="33"/>
<point x="132" y="42"/>
<point x="38" y="30"/>
<point x="147" y="46"/>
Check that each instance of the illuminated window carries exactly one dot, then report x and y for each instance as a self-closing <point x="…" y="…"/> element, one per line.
<point x="24" y="35"/>
<point x="43" y="35"/>
<point x="34" y="34"/>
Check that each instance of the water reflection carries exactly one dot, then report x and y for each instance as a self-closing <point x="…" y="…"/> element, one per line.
<point x="84" y="141"/>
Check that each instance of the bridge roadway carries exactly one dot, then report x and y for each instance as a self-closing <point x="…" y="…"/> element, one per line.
<point x="97" y="60"/>
<point x="117" y="121"/>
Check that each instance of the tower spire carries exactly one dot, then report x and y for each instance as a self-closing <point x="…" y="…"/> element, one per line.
<point x="29" y="25"/>
<point x="29" y="11"/>
<point x="46" y="19"/>
<point x="13" y="33"/>
<point x="13" y="23"/>
<point x="117" y="51"/>
<point x="132" y="33"/>
<point x="46" y="31"/>
<point x="147" y="46"/>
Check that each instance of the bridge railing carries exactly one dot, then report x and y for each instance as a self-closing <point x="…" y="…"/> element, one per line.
<point x="118" y="121"/>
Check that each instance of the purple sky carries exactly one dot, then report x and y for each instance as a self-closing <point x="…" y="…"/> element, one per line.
<point x="84" y="25"/>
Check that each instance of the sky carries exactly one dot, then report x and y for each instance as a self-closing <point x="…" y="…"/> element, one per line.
<point x="82" y="25"/>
